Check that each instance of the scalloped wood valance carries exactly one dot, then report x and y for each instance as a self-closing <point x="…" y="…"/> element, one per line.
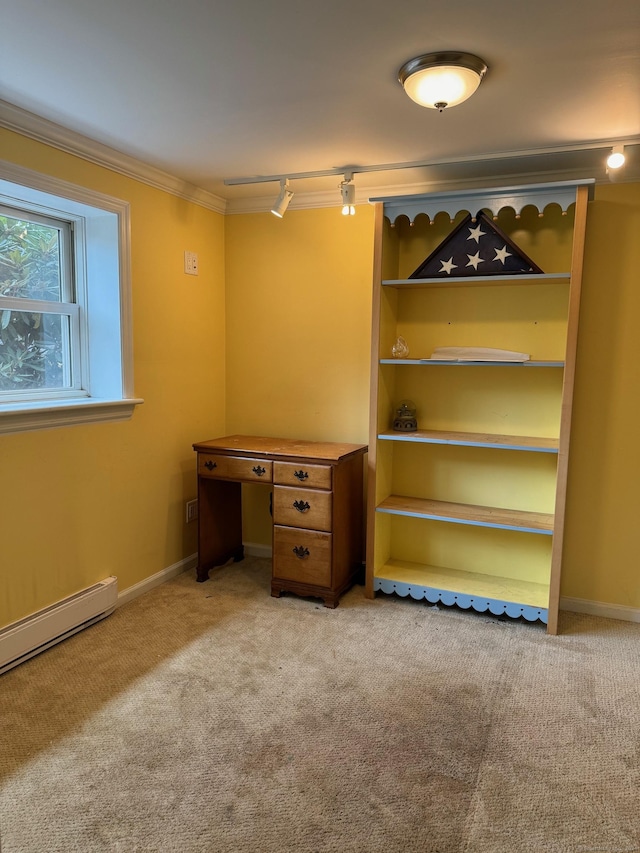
<point x="494" y="199"/>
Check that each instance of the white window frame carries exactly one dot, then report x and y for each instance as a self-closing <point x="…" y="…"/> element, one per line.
<point x="102" y="285"/>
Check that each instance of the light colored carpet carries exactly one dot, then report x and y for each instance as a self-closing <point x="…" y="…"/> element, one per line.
<point x="212" y="717"/>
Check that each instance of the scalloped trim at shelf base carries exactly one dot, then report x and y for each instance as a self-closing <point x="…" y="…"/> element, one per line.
<point x="479" y="603"/>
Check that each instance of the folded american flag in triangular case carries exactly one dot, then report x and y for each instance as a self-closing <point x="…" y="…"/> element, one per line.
<point x="476" y="247"/>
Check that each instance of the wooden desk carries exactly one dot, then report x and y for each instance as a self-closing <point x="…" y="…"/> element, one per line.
<point x="317" y="509"/>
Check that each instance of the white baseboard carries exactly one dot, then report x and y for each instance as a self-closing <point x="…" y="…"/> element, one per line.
<point x="255" y="549"/>
<point x="251" y="549"/>
<point x="600" y="608"/>
<point x="155" y="580"/>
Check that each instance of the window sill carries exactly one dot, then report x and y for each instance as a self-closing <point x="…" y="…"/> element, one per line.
<point x="21" y="417"/>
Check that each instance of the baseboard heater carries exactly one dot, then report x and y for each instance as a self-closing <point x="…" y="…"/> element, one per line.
<point x="29" y="636"/>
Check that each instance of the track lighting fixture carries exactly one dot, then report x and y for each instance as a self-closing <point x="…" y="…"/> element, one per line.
<point x="614" y="151"/>
<point x="348" y="191"/>
<point x="616" y="158"/>
<point x="283" y="200"/>
<point x="440" y="80"/>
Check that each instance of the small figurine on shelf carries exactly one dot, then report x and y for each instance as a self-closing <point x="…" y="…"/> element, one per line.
<point x="405" y="419"/>
<point x="400" y="349"/>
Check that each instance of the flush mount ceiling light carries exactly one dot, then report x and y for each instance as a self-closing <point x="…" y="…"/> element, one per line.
<point x="616" y="159"/>
<point x="440" y="80"/>
<point x="282" y="202"/>
<point x="348" y="192"/>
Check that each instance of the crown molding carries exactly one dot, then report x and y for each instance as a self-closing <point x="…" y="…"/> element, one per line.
<point x="42" y="130"/>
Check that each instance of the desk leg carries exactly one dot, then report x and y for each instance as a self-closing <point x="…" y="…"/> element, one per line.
<point x="219" y="524"/>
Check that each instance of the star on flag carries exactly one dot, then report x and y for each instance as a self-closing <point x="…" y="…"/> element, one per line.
<point x="475" y="233"/>
<point x="502" y="254"/>
<point x="474" y="260"/>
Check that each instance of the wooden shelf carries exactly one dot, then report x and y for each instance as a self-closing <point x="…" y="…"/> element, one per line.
<point x="467" y="589"/>
<point x="471" y="514"/>
<point x="480" y="280"/>
<point x="475" y="439"/>
<point x="433" y="362"/>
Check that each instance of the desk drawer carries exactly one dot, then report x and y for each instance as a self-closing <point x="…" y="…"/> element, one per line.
<point x="234" y="468"/>
<point x="301" y="474"/>
<point x="302" y="508"/>
<point x="303" y="556"/>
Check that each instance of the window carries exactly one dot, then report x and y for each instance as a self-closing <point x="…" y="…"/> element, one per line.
<point x="65" y="330"/>
<point x="39" y="329"/>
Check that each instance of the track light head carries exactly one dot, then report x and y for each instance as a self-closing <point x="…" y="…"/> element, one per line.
<point x="616" y="159"/>
<point x="348" y="192"/>
<point x="282" y="202"/>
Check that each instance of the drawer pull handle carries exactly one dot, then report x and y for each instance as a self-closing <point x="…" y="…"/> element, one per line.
<point x="300" y="551"/>
<point x="210" y="465"/>
<point x="301" y="506"/>
<point x="259" y="470"/>
<point x="301" y="475"/>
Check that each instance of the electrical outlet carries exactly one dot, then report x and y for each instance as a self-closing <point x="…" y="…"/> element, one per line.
<point x="191" y="510"/>
<point x="191" y="263"/>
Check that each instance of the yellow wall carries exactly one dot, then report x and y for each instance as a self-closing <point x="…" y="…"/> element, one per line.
<point x="277" y="342"/>
<point x="80" y="503"/>
<point x="299" y="323"/>
<point x="602" y="536"/>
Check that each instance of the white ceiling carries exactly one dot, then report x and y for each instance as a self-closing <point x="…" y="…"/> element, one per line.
<point x="209" y="91"/>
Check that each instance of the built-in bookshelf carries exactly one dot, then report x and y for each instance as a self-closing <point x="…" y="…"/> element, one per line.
<point x="468" y="509"/>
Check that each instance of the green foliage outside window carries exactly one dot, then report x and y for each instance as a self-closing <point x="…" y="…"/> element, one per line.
<point x="31" y="342"/>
